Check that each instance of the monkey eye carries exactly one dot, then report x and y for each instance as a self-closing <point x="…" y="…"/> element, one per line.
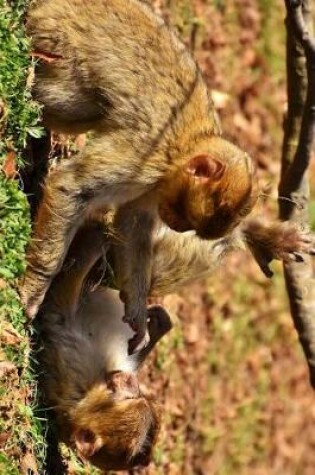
<point x="245" y="211"/>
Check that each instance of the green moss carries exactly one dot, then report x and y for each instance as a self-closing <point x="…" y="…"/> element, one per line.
<point x="20" y="113"/>
<point x="18" y="119"/>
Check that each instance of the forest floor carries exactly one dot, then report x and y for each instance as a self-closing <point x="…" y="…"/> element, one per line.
<point x="230" y="377"/>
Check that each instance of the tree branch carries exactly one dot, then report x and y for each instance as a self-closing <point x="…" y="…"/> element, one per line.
<point x="299" y="132"/>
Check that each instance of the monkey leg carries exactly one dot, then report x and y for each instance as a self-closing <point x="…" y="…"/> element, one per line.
<point x="57" y="220"/>
<point x="87" y="247"/>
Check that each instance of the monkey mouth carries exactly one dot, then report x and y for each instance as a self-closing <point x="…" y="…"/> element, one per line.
<point x="215" y="229"/>
<point x="174" y="216"/>
<point x="123" y="385"/>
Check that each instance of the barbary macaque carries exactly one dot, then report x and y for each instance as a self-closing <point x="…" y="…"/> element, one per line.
<point x="88" y="378"/>
<point x="115" y="68"/>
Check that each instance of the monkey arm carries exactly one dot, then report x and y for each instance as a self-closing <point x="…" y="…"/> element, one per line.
<point x="134" y="225"/>
<point x="181" y="258"/>
<point x="275" y="240"/>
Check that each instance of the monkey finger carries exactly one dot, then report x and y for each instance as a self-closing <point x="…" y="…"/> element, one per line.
<point x="267" y="271"/>
<point x="264" y="267"/>
<point x="31" y="312"/>
<point x="308" y="243"/>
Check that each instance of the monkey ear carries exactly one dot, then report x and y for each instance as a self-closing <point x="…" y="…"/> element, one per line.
<point x="205" y="167"/>
<point x="87" y="443"/>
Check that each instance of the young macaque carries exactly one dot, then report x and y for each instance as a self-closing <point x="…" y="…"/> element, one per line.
<point x="88" y="379"/>
<point x="115" y="68"/>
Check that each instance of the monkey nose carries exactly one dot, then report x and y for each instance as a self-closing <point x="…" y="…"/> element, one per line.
<point x="132" y="384"/>
<point x="124" y="385"/>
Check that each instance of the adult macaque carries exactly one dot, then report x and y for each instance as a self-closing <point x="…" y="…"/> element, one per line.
<point x="114" y="67"/>
<point x="88" y="378"/>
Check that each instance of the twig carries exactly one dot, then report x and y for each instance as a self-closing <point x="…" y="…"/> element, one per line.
<point x="299" y="132"/>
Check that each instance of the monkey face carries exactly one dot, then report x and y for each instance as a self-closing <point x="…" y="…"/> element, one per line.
<point x="222" y="214"/>
<point x="206" y="209"/>
<point x="115" y="427"/>
<point x="212" y="193"/>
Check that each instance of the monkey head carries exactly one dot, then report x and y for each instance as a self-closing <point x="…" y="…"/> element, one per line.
<point x="115" y="427"/>
<point x="211" y="194"/>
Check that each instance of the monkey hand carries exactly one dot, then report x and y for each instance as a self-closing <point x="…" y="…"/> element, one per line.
<point x="136" y="317"/>
<point x="280" y="240"/>
<point x="159" y="322"/>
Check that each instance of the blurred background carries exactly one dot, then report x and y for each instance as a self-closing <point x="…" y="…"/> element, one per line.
<point x="231" y="377"/>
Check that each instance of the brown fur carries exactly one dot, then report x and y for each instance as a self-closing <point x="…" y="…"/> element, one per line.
<point x="120" y="71"/>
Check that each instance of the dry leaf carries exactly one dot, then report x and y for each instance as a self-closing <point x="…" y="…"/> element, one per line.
<point x="220" y="99"/>
<point x="28" y="464"/>
<point x="9" y="167"/>
<point x="6" y="367"/>
<point x="4" y="436"/>
<point x="10" y="337"/>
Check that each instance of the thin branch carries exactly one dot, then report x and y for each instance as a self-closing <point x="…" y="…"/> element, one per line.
<point x="299" y="132"/>
<point x="297" y="27"/>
